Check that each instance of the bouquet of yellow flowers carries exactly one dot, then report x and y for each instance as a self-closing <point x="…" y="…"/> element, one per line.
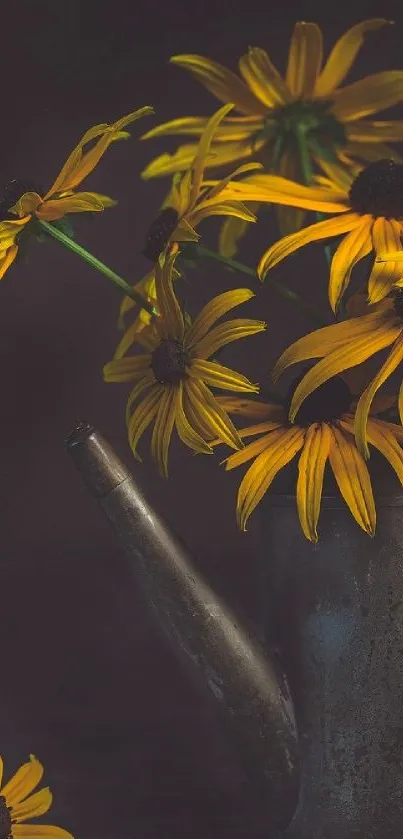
<point x="306" y="143"/>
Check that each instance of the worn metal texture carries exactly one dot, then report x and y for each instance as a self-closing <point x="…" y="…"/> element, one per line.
<point x="336" y="609"/>
<point x="248" y="688"/>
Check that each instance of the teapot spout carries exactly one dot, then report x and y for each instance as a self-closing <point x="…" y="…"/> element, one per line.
<point x="248" y="689"/>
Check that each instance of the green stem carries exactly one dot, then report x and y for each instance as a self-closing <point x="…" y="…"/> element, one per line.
<point x="245" y="269"/>
<point x="97" y="264"/>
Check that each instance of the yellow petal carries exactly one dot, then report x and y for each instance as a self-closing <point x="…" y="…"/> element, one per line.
<point x="203" y="150"/>
<point x="146" y="382"/>
<point x="23" y="782"/>
<point x="266" y="441"/>
<point x="370" y="152"/>
<point x="81" y="202"/>
<point x="79" y="166"/>
<point x="263" y="78"/>
<point x="386" y="236"/>
<point x="224" y="84"/>
<point x="381" y="436"/>
<point x="381" y="131"/>
<point x="189" y="436"/>
<point x="27" y="204"/>
<point x="240" y="170"/>
<point x="219" y="155"/>
<point x="343" y="55"/>
<point x="305" y="59"/>
<point x="342" y="359"/>
<point x="274" y="189"/>
<point x="227" y="332"/>
<point x="226" y="208"/>
<point x="351" y="249"/>
<point x="232" y="128"/>
<point x="163" y="427"/>
<point x="39" y="831"/>
<point x="311" y="468"/>
<point x="1" y="771"/>
<point x="213" y="310"/>
<point x="353" y="479"/>
<point x="374" y="93"/>
<point x="143" y="416"/>
<point x="219" y="376"/>
<point x="7" y="259"/>
<point x="252" y="408"/>
<point x="364" y="404"/>
<point x="126" y="369"/>
<point x="170" y="324"/>
<point x="289" y="218"/>
<point x="209" y="415"/>
<point x="261" y="474"/>
<point x="313" y="233"/>
<point x="324" y="341"/>
<point x="33" y="806"/>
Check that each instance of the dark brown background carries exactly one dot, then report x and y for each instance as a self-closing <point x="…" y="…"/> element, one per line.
<point x="86" y="682"/>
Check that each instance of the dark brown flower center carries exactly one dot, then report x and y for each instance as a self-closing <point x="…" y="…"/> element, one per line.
<point x="13" y="191"/>
<point x="328" y="402"/>
<point x="160" y="232"/>
<point x="168" y="363"/>
<point x="5" y="819"/>
<point x="378" y="190"/>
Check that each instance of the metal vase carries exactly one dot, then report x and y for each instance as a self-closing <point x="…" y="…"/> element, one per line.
<point x="336" y="611"/>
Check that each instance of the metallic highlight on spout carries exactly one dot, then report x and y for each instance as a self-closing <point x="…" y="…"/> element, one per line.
<point x="249" y="691"/>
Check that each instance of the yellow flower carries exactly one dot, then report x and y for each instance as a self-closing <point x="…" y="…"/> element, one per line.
<point x="323" y="432"/>
<point x="23" y="200"/>
<point x="189" y="201"/>
<point x="345" y="345"/>
<point x="274" y="111"/>
<point x="173" y="373"/>
<point x="368" y="208"/>
<point x="17" y="805"/>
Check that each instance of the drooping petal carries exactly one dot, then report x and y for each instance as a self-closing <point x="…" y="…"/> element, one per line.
<point x="80" y="202"/>
<point x="163" y="427"/>
<point x="231" y="231"/>
<point x="364" y="404"/>
<point x="203" y="150"/>
<point x="23" y="782"/>
<point x="219" y="376"/>
<point x="170" y="324"/>
<point x="225" y="208"/>
<point x="240" y="170"/>
<point x="7" y="259"/>
<point x="374" y="93"/>
<point x="227" y="332"/>
<point x="342" y="359"/>
<point x="353" y="479"/>
<point x="189" y="436"/>
<point x="33" y="806"/>
<point x="263" y="78"/>
<point x="207" y="415"/>
<point x="381" y="131"/>
<point x="143" y="416"/>
<point x="354" y="246"/>
<point x="382" y="437"/>
<point x="232" y="128"/>
<point x="270" y="432"/>
<point x="343" y="55"/>
<point x="311" y="468"/>
<point x="39" y="831"/>
<point x="145" y="383"/>
<point x="224" y="84"/>
<point x="313" y="233"/>
<point x="289" y="218"/>
<point x="369" y="153"/>
<point x="213" y="310"/>
<point x="252" y="408"/>
<point x="261" y="474"/>
<point x="127" y="369"/>
<point x="386" y="237"/>
<point x="329" y="339"/>
<point x="305" y="59"/>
